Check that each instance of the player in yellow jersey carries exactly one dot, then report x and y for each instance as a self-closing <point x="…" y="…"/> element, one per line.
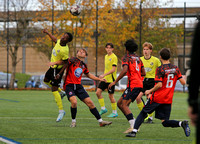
<point x="150" y="64"/>
<point x="110" y="76"/>
<point x="60" y="52"/>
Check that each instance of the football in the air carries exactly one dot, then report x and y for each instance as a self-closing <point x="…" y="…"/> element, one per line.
<point x="75" y="10"/>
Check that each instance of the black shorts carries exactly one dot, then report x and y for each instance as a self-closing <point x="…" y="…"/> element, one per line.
<point x="104" y="85"/>
<point x="50" y="75"/>
<point x="148" y="83"/>
<point x="76" y="90"/>
<point x="162" y="111"/>
<point x="131" y="93"/>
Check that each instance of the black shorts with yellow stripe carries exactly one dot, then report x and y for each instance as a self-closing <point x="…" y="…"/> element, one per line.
<point x="50" y="75"/>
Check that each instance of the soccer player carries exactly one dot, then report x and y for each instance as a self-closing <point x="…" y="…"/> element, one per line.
<point x="110" y="74"/>
<point x="75" y="67"/>
<point x="59" y="52"/>
<point x="150" y="64"/>
<point x="162" y="94"/>
<point x="134" y="69"/>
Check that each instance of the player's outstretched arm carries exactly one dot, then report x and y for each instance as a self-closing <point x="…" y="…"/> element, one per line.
<point x="91" y="76"/>
<point x="121" y="75"/>
<point x="53" y="38"/>
<point x="60" y="62"/>
<point x="63" y="69"/>
<point x="182" y="81"/>
<point x="110" y="72"/>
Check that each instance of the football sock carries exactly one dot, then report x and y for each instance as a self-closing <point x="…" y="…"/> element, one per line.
<point x="48" y="83"/>
<point x="140" y="106"/>
<point x="59" y="90"/>
<point x="58" y="100"/>
<point x="171" y="123"/>
<point x="73" y="113"/>
<point x="151" y="115"/>
<point x="102" y="104"/>
<point x="140" y="119"/>
<point x="130" y="119"/>
<point x="95" y="112"/>
<point x="114" y="107"/>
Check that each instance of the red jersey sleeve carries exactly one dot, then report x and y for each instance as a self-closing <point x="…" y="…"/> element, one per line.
<point x="159" y="75"/>
<point x="124" y="61"/>
<point x="179" y="75"/>
<point x="86" y="71"/>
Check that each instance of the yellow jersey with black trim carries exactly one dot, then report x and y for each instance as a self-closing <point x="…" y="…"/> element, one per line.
<point x="59" y="53"/>
<point x="150" y="66"/>
<point x="110" y="61"/>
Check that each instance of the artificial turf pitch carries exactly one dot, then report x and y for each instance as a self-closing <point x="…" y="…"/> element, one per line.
<point x="30" y="117"/>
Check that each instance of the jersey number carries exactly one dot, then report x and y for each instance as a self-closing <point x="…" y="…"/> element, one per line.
<point x="169" y="81"/>
<point x="137" y="67"/>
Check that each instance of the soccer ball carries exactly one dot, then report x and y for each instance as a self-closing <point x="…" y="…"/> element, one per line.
<point x="75" y="10"/>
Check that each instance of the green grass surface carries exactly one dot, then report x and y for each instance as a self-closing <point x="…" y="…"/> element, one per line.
<point x="29" y="117"/>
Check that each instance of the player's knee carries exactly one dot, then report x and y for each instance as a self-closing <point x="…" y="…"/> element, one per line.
<point x="98" y="93"/>
<point x="90" y="104"/>
<point x="73" y="104"/>
<point x="119" y="105"/>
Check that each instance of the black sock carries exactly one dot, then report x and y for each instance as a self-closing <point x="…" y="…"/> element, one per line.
<point x="73" y="112"/>
<point x="140" y="119"/>
<point x="129" y="116"/>
<point x="170" y="123"/>
<point x="95" y="112"/>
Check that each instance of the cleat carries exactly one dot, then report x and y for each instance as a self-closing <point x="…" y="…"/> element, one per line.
<point x="73" y="124"/>
<point x="150" y="121"/>
<point x="103" y="111"/>
<point x="131" y="134"/>
<point x="186" y="128"/>
<point x="112" y="115"/>
<point x="60" y="116"/>
<point x="104" y="123"/>
<point x="62" y="94"/>
<point x="128" y="130"/>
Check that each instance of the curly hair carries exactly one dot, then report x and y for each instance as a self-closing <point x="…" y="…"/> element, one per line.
<point x="131" y="46"/>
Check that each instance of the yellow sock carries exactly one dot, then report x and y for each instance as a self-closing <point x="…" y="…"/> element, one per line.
<point x="140" y="106"/>
<point x="151" y="115"/>
<point x="59" y="89"/>
<point x="48" y="83"/>
<point x="114" y="107"/>
<point x="101" y="102"/>
<point x="58" y="100"/>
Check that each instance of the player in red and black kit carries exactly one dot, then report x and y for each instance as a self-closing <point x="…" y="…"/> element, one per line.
<point x="134" y="69"/>
<point x="162" y="94"/>
<point x="75" y="67"/>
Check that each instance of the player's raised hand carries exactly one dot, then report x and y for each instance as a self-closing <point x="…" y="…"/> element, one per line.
<point x="45" y="31"/>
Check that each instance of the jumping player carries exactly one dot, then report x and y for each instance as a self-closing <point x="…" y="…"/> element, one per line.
<point x="162" y="94"/>
<point x="150" y="64"/>
<point x="60" y="52"/>
<point x="110" y="74"/>
<point x="75" y="67"/>
<point x="134" y="69"/>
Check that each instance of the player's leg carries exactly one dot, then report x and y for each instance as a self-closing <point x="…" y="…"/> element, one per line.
<point x="73" y="109"/>
<point x="47" y="80"/>
<point x="101" y="99"/>
<point x="113" y="102"/>
<point x="163" y="113"/>
<point x="128" y="114"/>
<point x="149" y="108"/>
<point x="139" y="101"/>
<point x="95" y="112"/>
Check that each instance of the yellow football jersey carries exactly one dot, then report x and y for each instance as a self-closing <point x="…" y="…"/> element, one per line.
<point x="150" y="66"/>
<point x="59" y="53"/>
<point x="110" y="61"/>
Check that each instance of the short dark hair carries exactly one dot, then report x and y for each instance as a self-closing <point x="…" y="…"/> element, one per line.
<point x="70" y="36"/>
<point x="110" y="44"/>
<point x="131" y="46"/>
<point x="165" y="53"/>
